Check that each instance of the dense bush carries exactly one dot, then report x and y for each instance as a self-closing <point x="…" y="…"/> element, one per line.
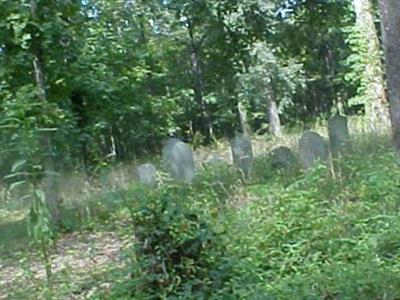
<point x="179" y="251"/>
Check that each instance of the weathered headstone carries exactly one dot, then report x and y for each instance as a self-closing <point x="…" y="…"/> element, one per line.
<point x="242" y="153"/>
<point x="339" y="136"/>
<point x="147" y="174"/>
<point x="312" y="148"/>
<point x="178" y="158"/>
<point x="283" y="158"/>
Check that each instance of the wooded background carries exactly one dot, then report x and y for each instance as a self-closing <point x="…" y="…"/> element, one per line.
<point x="85" y="83"/>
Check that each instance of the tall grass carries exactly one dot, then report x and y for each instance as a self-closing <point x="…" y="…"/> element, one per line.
<point x="328" y="233"/>
<point x="323" y="237"/>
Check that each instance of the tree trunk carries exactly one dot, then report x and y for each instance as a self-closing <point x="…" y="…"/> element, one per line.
<point x="376" y="109"/>
<point x="49" y="181"/>
<point x="274" y="121"/>
<point x="390" y="17"/>
<point x="243" y="119"/>
<point x="78" y="107"/>
<point x="204" y="122"/>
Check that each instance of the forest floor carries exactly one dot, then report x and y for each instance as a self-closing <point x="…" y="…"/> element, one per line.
<point x="81" y="264"/>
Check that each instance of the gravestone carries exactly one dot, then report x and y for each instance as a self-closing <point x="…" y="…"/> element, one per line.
<point x="147" y="174"/>
<point x="178" y="158"/>
<point x="339" y="136"/>
<point x="242" y="154"/>
<point x="283" y="158"/>
<point x="312" y="148"/>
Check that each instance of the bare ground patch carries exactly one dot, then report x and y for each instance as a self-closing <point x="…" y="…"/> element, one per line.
<point x="81" y="263"/>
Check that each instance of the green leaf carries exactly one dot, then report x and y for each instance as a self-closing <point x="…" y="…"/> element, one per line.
<point x="47" y="129"/>
<point x="16" y="167"/>
<point x="40" y="195"/>
<point x="16" y="175"/>
<point x="17" y="184"/>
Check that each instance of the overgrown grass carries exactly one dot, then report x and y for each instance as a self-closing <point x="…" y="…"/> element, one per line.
<point x="329" y="233"/>
<point x="322" y="237"/>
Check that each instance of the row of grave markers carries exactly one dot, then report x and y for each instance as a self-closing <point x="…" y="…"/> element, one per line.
<point x="178" y="156"/>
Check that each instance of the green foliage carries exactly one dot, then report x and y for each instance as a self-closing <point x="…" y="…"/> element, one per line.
<point x="263" y="169"/>
<point x="218" y="179"/>
<point x="270" y="75"/>
<point x="178" y="248"/>
<point x="119" y="74"/>
<point x="364" y="63"/>
<point x="309" y="37"/>
<point x="320" y="237"/>
<point x="268" y="167"/>
<point x="311" y="237"/>
<point x="40" y="228"/>
<point x="316" y="235"/>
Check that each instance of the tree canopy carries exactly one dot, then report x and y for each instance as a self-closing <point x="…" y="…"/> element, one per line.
<point x="120" y="76"/>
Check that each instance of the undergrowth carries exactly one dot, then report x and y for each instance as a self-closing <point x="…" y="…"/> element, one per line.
<point x="330" y="233"/>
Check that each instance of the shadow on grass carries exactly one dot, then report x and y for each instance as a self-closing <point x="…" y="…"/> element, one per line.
<point x="13" y="236"/>
<point x="14" y="233"/>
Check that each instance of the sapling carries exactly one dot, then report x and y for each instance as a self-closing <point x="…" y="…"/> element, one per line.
<point x="40" y="228"/>
<point x="40" y="221"/>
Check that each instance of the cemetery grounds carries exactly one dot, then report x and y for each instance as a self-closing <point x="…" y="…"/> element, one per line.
<point x="331" y="232"/>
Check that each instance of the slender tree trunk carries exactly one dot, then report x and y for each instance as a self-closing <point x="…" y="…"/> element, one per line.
<point x="329" y="61"/>
<point x="78" y="107"/>
<point x="390" y="17"/>
<point x="274" y="121"/>
<point x="49" y="181"/>
<point x="198" y="86"/>
<point x="243" y="118"/>
<point x="142" y="25"/>
<point x="377" y="107"/>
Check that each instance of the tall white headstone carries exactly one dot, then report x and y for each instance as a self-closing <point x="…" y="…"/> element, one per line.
<point x="178" y="158"/>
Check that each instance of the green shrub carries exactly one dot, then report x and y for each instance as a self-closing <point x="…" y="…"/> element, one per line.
<point x="178" y="248"/>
